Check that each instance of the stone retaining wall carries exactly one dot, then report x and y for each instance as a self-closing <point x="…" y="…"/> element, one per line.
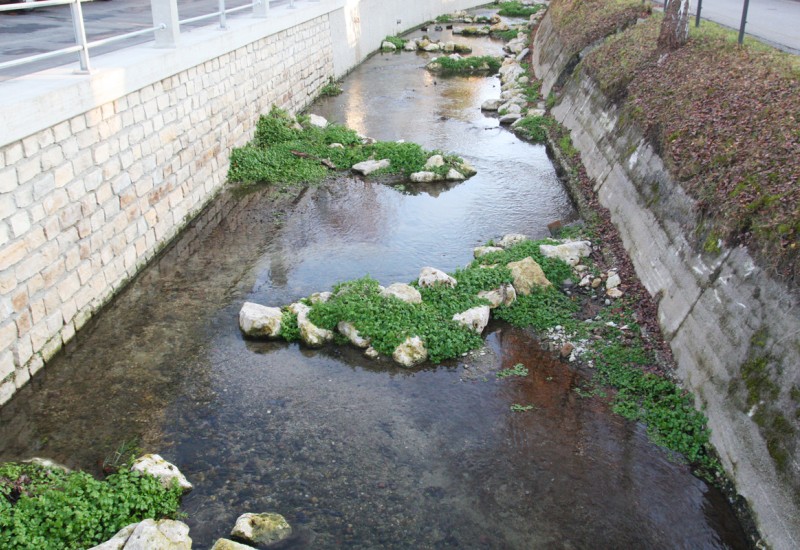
<point x="734" y="330"/>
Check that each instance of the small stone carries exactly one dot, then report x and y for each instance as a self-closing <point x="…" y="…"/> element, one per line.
<point x="586" y="281"/>
<point x="434" y="161"/>
<point x="555" y="227"/>
<point x="505" y="295"/>
<point x="512" y="239"/>
<point x="367" y="167"/>
<point x="410" y="46"/>
<point x="168" y="473"/>
<point x="580" y="268"/>
<point x="164" y="534"/>
<point x="510" y="118"/>
<point x="320" y="297"/>
<point x="261" y="528"/>
<point x="388" y="46"/>
<point x="260" y="321"/>
<point x="596" y="282"/>
<point x="613" y="281"/>
<point x="466" y="169"/>
<point x="432" y="47"/>
<point x="570" y="252"/>
<point x="331" y="146"/>
<point x="423" y="177"/>
<point x="372" y="353"/>
<point x="566" y="350"/>
<point x="614" y="293"/>
<point x="454" y="175"/>
<point x="411" y="352"/>
<point x="318" y="121"/>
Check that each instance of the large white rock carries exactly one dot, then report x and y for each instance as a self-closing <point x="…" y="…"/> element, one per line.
<point x="423" y="177"/>
<point x="527" y="275"/>
<point x="410" y="46"/>
<point x="117" y="542"/>
<point x="510" y="118"/>
<point x="432" y="47"/>
<point x="320" y="297"/>
<point x="164" y="534"/>
<point x="168" y="473"/>
<point x="491" y="105"/>
<point x="348" y="330"/>
<point x="449" y="47"/>
<point x="225" y="544"/>
<point x="571" y="252"/>
<point x="511" y="239"/>
<point x="467" y="169"/>
<point x="475" y="318"/>
<point x="434" y="162"/>
<point x="503" y="295"/>
<point x="404" y="292"/>
<point x="310" y="334"/>
<point x="454" y="175"/>
<point x="367" y="167"/>
<point x="613" y="281"/>
<point x="411" y="352"/>
<point x="258" y="320"/>
<point x="388" y="46"/>
<point x="479" y="251"/>
<point x="318" y="121"/>
<point x="430" y="276"/>
<point x="261" y="528"/>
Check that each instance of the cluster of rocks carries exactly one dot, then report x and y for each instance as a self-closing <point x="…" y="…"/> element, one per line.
<point x="609" y="281"/>
<point x="425" y="44"/>
<point x="250" y="530"/>
<point x="257" y="320"/>
<point x="436" y="168"/>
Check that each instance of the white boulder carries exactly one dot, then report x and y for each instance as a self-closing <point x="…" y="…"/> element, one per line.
<point x="410" y="46"/>
<point x="430" y="276"/>
<point x="527" y="275"/>
<point x="411" y="352"/>
<point x="570" y="252"/>
<point x="511" y="239"/>
<point x="404" y="292"/>
<point x="348" y="330"/>
<point x="504" y="295"/>
<point x="475" y="318"/>
<point x="491" y="105"/>
<point x="423" y="177"/>
<point x="434" y="161"/>
<point x="261" y="529"/>
<point x="479" y="251"/>
<point x="168" y="473"/>
<point x="318" y="121"/>
<point x="365" y="168"/>
<point x="164" y="534"/>
<point x="257" y="320"/>
<point x="613" y="280"/>
<point x="454" y="175"/>
<point x="388" y="46"/>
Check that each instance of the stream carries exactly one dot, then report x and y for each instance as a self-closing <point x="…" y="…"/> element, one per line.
<point x="353" y="452"/>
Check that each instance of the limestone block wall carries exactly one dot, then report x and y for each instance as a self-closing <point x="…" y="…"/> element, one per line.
<point x="734" y="330"/>
<point x="86" y="202"/>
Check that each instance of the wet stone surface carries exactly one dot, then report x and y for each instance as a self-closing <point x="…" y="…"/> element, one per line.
<point x="355" y="452"/>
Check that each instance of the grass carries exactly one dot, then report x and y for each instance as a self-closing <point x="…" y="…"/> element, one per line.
<point x="285" y="152"/>
<point x="724" y="118"/>
<point x="533" y="128"/>
<point x="508" y="35"/>
<point x="516" y="9"/>
<point x="466" y="65"/>
<point x="396" y="41"/>
<point x="331" y="89"/>
<point x="47" y="508"/>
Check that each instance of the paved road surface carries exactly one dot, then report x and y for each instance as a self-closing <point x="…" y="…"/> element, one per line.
<point x="776" y="22"/>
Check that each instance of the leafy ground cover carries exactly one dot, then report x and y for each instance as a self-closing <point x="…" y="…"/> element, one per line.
<point x="726" y="120"/>
<point x="48" y="508"/>
<point x="286" y="151"/>
<point x="517" y="9"/>
<point x="465" y="65"/>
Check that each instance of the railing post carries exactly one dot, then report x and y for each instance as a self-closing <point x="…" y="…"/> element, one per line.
<point x="165" y="16"/>
<point x="291" y="4"/>
<point x="261" y="8"/>
<point x="699" y="7"/>
<point x="80" y="35"/>
<point x="744" y="21"/>
<point x="223" y="23"/>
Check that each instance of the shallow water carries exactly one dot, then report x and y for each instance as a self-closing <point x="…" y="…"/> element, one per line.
<point x="355" y="452"/>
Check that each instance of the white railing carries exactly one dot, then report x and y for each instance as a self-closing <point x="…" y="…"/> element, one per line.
<point x="165" y="29"/>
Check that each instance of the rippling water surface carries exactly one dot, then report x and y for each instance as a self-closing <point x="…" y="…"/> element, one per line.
<point x="354" y="452"/>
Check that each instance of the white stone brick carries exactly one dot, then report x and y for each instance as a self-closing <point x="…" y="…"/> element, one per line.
<point x="14" y="153"/>
<point x="20" y="223"/>
<point x="7" y="206"/>
<point x="61" y="131"/>
<point x="30" y="145"/>
<point x="51" y="157"/>
<point x="8" y="180"/>
<point x="6" y="364"/>
<point x="28" y="169"/>
<point x="63" y="174"/>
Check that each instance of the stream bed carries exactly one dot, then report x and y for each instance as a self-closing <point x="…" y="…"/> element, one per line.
<point x="353" y="452"/>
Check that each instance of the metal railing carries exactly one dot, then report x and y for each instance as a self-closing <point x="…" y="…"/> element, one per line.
<point x="165" y="29"/>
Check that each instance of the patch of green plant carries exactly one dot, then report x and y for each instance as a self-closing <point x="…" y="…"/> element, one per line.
<point x="517" y="9"/>
<point x="444" y="18"/>
<point x="516" y="407"/>
<point x="550" y="102"/>
<point x="331" y="89"/>
<point x="517" y="370"/>
<point x="47" y="508"/>
<point x="467" y="65"/>
<point x="506" y="36"/>
<point x="565" y="144"/>
<point x="533" y="128"/>
<point x="554" y="269"/>
<point x="288" y="151"/>
<point x="543" y="308"/>
<point x="396" y="41"/>
<point x="289" y="329"/>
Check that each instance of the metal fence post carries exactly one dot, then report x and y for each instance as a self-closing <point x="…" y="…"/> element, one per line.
<point x="80" y="34"/>
<point x="260" y="8"/>
<point x="165" y="16"/>
<point x="223" y="23"/>
<point x="744" y="21"/>
<point x="699" y="7"/>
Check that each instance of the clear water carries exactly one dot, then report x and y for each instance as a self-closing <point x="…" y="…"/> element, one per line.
<point x="354" y="452"/>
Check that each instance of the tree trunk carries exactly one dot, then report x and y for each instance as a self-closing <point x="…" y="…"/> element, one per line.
<point x="675" y="27"/>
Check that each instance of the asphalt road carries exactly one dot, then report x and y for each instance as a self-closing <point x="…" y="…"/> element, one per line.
<point x="776" y="22"/>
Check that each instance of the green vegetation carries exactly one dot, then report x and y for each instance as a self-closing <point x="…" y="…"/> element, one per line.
<point x="286" y="152"/>
<point x="47" y="508"/>
<point x="396" y="41"/>
<point x="516" y="407"/>
<point x="516" y="9"/>
<point x="517" y="370"/>
<point x="508" y="35"/>
<point x="331" y="89"/>
<point x="533" y="128"/>
<point x="719" y="114"/>
<point x="445" y="18"/>
<point x="466" y="65"/>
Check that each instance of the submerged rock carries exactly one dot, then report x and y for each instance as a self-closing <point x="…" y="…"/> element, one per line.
<point x="261" y="528"/>
<point x="455" y="175"/>
<point x="475" y="318"/>
<point x="367" y="167"/>
<point x="466" y="169"/>
<point x="430" y="276"/>
<point x="259" y="321"/>
<point x="411" y="352"/>
<point x="225" y="544"/>
<point x="404" y="292"/>
<point x="491" y="105"/>
<point x="527" y="275"/>
<point x="168" y="473"/>
<point x="424" y="177"/>
<point x="510" y="118"/>
<point x="570" y="252"/>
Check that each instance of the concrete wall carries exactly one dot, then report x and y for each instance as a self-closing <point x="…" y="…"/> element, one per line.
<point x="734" y="331"/>
<point x="99" y="172"/>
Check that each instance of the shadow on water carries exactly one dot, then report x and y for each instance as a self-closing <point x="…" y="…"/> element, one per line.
<point x="355" y="452"/>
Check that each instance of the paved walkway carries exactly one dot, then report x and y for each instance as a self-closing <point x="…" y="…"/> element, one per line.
<point x="776" y="22"/>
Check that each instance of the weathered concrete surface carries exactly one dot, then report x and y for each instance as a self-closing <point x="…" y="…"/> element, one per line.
<point x="734" y="331"/>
